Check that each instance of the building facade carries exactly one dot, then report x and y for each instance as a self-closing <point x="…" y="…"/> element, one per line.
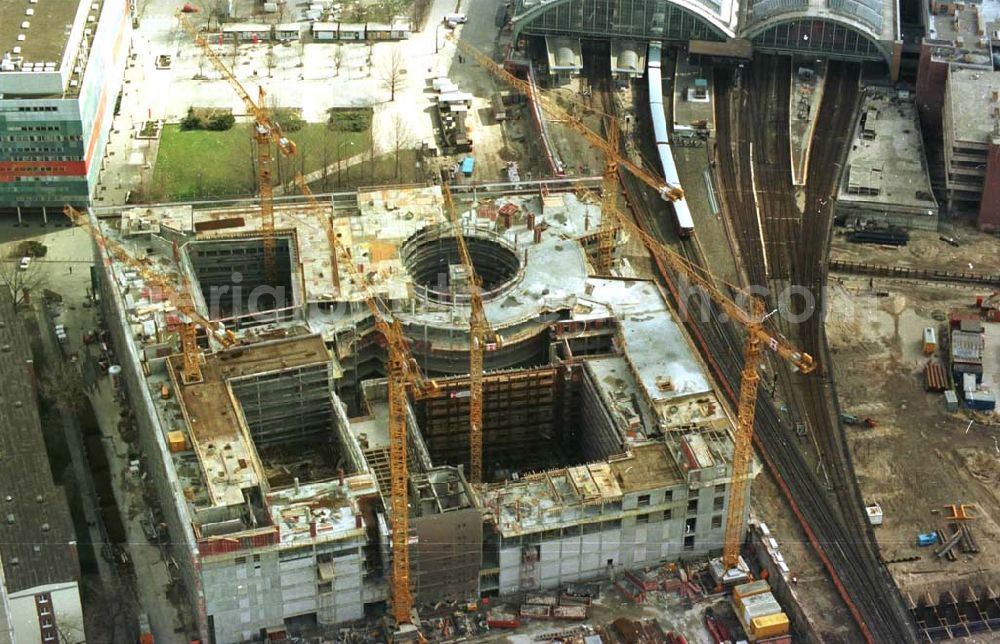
<point x="58" y="91"/>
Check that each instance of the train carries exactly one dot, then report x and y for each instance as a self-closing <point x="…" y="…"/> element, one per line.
<point x="683" y="222"/>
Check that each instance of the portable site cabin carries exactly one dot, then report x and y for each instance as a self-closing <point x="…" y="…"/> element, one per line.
<point x="468" y="165"/>
<point x="352" y="31"/>
<point x="287" y="32"/>
<point x="246" y="32"/>
<point x="930" y="340"/>
<point x="326" y="31"/>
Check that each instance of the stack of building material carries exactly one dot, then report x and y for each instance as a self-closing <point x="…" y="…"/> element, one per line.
<point x="759" y="612"/>
<point x="935" y="377"/>
<point x="967" y="351"/>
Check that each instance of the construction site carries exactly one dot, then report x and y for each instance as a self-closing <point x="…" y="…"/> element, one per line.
<point x="681" y="327"/>
<point x="602" y="446"/>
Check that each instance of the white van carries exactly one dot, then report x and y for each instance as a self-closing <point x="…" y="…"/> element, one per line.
<point x="455" y="19"/>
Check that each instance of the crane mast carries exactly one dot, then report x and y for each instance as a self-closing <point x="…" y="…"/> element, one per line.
<point x="265" y="131"/>
<point x="402" y="373"/>
<point x="480" y="336"/>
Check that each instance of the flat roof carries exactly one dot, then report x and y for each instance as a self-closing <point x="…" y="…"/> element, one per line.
<point x="956" y="37"/>
<point x="886" y="162"/>
<point x="645" y="467"/>
<point x="47" y="36"/>
<point x="37" y="542"/>
<point x="970" y="95"/>
<point x="740" y="48"/>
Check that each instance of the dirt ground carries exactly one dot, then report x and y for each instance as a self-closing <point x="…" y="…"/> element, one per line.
<point x="976" y="253"/>
<point x="920" y="457"/>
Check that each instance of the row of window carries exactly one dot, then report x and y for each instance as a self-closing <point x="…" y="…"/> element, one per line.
<point x="69" y="138"/>
<point x="36" y="159"/>
<point x="33" y="128"/>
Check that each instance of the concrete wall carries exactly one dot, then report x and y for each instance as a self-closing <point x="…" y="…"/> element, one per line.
<point x="249" y="591"/>
<point x="158" y="462"/>
<point x="448" y="555"/>
<point x="640" y="534"/>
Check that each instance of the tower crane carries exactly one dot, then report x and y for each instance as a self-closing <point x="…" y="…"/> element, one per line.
<point x="264" y="132"/>
<point x="757" y="337"/>
<point x="481" y="338"/>
<point x="403" y="373"/>
<point x="608" y="147"/>
<point x="181" y="298"/>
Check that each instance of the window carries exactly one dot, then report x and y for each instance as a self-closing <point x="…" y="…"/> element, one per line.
<point x="42" y="598"/>
<point x="668" y="496"/>
<point x="719" y="503"/>
<point x="325" y="587"/>
<point x="693" y="505"/>
<point x="717" y="522"/>
<point x="720" y="488"/>
<point x="690" y="525"/>
<point x="256" y="557"/>
<point x="668" y="515"/>
<point x="643" y="500"/>
<point x="689" y="542"/>
<point x="241" y="560"/>
<point x="641" y="519"/>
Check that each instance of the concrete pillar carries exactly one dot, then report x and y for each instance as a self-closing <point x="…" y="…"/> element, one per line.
<point x="45" y="216"/>
<point x="897" y="59"/>
<point x="19" y="222"/>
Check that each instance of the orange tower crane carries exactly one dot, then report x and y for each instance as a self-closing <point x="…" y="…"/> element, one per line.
<point x="265" y="131"/>
<point x="403" y="373"/>
<point x="549" y="105"/>
<point x="481" y="339"/>
<point x="181" y="298"/>
<point x="757" y="337"/>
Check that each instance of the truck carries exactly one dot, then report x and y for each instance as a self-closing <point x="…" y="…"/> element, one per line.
<point x="145" y="631"/>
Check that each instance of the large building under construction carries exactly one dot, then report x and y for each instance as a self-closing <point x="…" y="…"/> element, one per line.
<point x="605" y="446"/>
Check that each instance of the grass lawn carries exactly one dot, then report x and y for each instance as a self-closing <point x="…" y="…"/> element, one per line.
<point x="202" y="164"/>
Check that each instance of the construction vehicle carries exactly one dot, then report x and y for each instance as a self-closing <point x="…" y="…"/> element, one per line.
<point x="609" y="147"/>
<point x="265" y="131"/>
<point x="757" y="337"/>
<point x="180" y="297"/>
<point x="852" y="420"/>
<point x="482" y="338"/>
<point x="403" y="374"/>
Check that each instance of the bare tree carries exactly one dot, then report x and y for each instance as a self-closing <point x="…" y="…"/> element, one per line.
<point x="302" y="52"/>
<point x="21" y="283"/>
<point x="61" y="384"/>
<point x="269" y="60"/>
<point x="338" y="58"/>
<point x="392" y="73"/>
<point x="401" y="139"/>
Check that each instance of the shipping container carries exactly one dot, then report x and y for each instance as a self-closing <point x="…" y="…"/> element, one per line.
<point x="969" y="382"/>
<point x="971" y="325"/>
<point x="981" y="400"/>
<point x="950" y="400"/>
<point x="759" y="606"/>
<point x="749" y="590"/>
<point x="769" y="626"/>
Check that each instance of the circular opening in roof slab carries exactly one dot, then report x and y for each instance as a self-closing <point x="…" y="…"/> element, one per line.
<point x="432" y="259"/>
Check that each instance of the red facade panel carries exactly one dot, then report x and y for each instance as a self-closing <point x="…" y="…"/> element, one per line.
<point x="989" y="207"/>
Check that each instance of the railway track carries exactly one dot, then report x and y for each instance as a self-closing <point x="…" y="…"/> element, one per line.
<point x="842" y="545"/>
